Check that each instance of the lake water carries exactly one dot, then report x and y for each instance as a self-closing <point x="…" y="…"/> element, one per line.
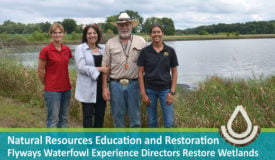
<point x="243" y="58"/>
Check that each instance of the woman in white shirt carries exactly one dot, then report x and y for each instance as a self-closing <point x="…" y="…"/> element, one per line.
<point x="88" y="57"/>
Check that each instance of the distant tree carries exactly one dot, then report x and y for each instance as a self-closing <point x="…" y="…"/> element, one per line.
<point x="12" y="27"/>
<point x="101" y="26"/>
<point x="19" y="28"/>
<point x="108" y="26"/>
<point x="9" y="27"/>
<point x="78" y="29"/>
<point x="30" y="28"/>
<point x="261" y="27"/>
<point x="149" y="22"/>
<point x="45" y="27"/>
<point x="69" y="25"/>
<point x="166" y="23"/>
<point x="168" y="26"/>
<point x="273" y="26"/>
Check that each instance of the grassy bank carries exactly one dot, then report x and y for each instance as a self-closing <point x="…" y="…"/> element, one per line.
<point x="216" y="98"/>
<point x="209" y="106"/>
<point x="8" y="40"/>
<point x="16" y="114"/>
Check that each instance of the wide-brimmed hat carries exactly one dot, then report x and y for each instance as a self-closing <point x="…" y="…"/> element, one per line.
<point x="125" y="18"/>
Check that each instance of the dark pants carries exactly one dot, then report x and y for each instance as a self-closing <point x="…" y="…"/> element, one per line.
<point x="93" y="113"/>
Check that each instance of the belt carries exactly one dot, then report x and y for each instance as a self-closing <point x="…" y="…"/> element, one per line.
<point x="118" y="80"/>
<point x="123" y="81"/>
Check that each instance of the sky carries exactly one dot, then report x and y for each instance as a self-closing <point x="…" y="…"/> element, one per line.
<point x="184" y="13"/>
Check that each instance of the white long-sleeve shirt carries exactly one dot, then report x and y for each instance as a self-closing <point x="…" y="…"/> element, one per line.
<point x="87" y="74"/>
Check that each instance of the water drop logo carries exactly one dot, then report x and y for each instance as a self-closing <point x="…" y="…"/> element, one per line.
<point x="239" y="139"/>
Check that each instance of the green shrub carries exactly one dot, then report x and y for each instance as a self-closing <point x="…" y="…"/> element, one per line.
<point x="17" y="40"/>
<point x="75" y="36"/>
<point x="38" y="36"/>
<point x="4" y="38"/>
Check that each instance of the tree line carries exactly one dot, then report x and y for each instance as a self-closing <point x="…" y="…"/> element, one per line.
<point x="71" y="26"/>
<point x="256" y="27"/>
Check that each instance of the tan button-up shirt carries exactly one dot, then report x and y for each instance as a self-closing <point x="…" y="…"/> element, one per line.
<point x="115" y="57"/>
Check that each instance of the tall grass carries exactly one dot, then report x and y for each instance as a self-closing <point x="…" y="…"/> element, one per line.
<point x="211" y="105"/>
<point x="19" y="82"/>
<point x="22" y="83"/>
<point x="216" y="98"/>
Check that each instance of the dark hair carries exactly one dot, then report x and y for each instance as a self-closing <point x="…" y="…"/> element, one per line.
<point x="96" y="28"/>
<point x="156" y="25"/>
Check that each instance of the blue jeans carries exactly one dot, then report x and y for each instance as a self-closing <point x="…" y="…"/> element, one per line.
<point x="58" y="106"/>
<point x="167" y="110"/>
<point x="123" y="99"/>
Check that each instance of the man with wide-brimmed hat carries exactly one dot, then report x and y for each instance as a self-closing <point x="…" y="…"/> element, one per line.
<point x="121" y="54"/>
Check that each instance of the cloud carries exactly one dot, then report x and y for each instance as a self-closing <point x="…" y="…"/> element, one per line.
<point x="185" y="13"/>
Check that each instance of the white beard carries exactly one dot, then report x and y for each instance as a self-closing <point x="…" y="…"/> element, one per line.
<point x="125" y="35"/>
